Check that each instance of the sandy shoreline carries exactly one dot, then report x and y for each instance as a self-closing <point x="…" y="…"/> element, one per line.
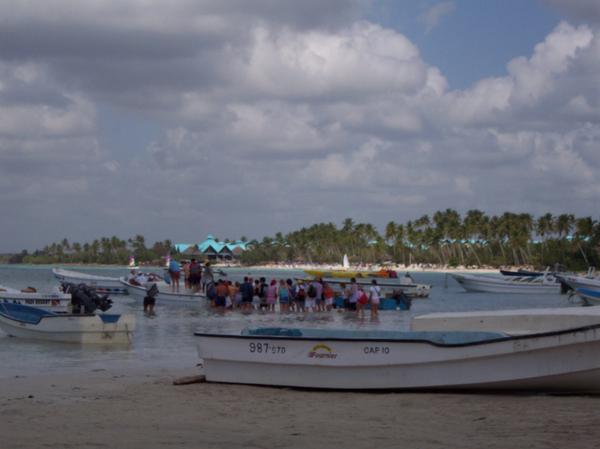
<point x="144" y="410"/>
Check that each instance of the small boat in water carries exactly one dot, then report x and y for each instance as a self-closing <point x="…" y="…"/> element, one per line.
<point x="23" y="321"/>
<point x="102" y="284"/>
<point x="163" y="296"/>
<point x="574" y="282"/>
<point x="509" y="284"/>
<point x="56" y="301"/>
<point x="589" y="295"/>
<point x="565" y="360"/>
<point x="389" y="287"/>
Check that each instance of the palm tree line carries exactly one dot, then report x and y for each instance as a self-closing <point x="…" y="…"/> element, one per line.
<point x="106" y="250"/>
<point x="444" y="238"/>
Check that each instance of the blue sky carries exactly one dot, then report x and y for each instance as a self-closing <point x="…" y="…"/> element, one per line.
<point x="476" y="38"/>
<point x="248" y="118"/>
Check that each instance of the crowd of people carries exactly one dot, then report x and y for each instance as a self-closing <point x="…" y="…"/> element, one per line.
<point x="302" y="296"/>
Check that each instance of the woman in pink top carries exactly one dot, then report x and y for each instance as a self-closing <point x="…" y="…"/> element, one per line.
<point x="272" y="295"/>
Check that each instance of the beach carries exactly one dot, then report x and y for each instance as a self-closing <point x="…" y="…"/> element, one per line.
<point x="117" y="409"/>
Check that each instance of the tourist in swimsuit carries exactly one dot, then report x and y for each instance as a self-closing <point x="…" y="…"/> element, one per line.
<point x="284" y="297"/>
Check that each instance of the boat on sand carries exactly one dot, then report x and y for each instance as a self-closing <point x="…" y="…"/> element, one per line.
<point x="23" y="321"/>
<point x="565" y="360"/>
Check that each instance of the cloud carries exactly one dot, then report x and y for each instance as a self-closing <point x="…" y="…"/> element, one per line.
<point x="267" y="121"/>
<point x="586" y="10"/>
<point x="431" y="18"/>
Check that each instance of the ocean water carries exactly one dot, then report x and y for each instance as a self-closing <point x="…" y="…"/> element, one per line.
<point x="167" y="342"/>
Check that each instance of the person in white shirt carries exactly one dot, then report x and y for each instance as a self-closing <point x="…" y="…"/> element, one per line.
<point x="374" y="296"/>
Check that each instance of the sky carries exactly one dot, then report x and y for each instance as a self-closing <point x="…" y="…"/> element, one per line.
<point x="245" y="118"/>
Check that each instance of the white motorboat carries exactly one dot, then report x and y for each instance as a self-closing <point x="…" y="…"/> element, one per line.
<point x="164" y="295"/>
<point x="514" y="322"/>
<point x="565" y="360"/>
<point x="56" y="301"/>
<point x="102" y="284"/>
<point x="508" y="284"/>
<point x="389" y="287"/>
<point x="23" y="321"/>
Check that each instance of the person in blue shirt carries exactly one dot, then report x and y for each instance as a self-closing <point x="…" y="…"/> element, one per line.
<point x="174" y="272"/>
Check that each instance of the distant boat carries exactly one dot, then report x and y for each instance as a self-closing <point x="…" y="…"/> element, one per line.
<point x="345" y="262"/>
<point x="132" y="265"/>
<point x="389" y="286"/>
<point x="56" y="301"/>
<point x="508" y="284"/>
<point x="102" y="284"/>
<point x="521" y="272"/>
<point x="23" y="321"/>
<point x="565" y="360"/>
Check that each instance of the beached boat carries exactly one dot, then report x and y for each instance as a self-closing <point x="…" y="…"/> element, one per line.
<point x="102" y="284"/>
<point x="164" y="296"/>
<point x="23" y="321"/>
<point x="52" y="301"/>
<point x="565" y="360"/>
<point x="508" y="284"/>
<point x="521" y="272"/>
<point x="514" y="322"/>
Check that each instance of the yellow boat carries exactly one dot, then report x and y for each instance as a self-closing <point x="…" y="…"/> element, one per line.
<point x="352" y="274"/>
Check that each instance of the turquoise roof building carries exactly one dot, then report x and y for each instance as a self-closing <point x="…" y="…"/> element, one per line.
<point x="213" y="249"/>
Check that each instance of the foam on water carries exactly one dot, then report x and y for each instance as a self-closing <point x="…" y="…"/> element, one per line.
<point x="167" y="341"/>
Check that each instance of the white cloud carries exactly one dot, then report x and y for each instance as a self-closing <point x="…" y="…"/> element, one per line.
<point x="431" y="18"/>
<point x="279" y="123"/>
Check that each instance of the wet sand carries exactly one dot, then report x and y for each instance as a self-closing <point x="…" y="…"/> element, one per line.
<point x="115" y="409"/>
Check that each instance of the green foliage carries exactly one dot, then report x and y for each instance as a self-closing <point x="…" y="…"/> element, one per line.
<point x="106" y="250"/>
<point x="444" y="238"/>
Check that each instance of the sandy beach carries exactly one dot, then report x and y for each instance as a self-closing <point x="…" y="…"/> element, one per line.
<point x="116" y="409"/>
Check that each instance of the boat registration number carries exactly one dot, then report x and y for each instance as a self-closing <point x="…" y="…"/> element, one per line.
<point x="266" y="348"/>
<point x="376" y="350"/>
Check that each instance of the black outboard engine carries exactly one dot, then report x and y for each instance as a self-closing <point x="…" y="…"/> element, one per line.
<point x="84" y="299"/>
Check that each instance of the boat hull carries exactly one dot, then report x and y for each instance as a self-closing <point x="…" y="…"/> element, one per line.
<point x="102" y="284"/>
<point x="163" y="297"/>
<point x="589" y="295"/>
<point x="388" y="286"/>
<point x="504" y="285"/>
<point x="563" y="361"/>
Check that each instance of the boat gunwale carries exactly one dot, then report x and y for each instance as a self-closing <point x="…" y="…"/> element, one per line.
<point x="415" y="340"/>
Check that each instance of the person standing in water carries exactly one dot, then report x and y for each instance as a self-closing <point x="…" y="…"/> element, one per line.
<point x="174" y="272"/>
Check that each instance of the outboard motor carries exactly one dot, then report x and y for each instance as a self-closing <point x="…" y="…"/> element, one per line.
<point x="84" y="299"/>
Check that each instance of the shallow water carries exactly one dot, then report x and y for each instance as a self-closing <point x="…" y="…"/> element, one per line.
<point x="167" y="342"/>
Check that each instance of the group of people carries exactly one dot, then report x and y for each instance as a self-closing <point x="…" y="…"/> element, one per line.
<point x="195" y="276"/>
<point x="303" y="296"/>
